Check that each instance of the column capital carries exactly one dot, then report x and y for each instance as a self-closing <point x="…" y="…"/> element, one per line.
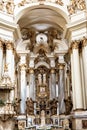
<point x="75" y="45"/>
<point x="61" y="66"/>
<point x="31" y="70"/>
<point x="9" y="46"/>
<point x="22" y="66"/>
<point x="84" y="42"/>
<point x="52" y="71"/>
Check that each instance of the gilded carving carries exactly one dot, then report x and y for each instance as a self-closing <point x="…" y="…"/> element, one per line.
<point x="61" y="66"/>
<point x="59" y="2"/>
<point x="31" y="71"/>
<point x="9" y="46"/>
<point x="21" y="125"/>
<point x="23" y="66"/>
<point x="23" y="2"/>
<point x="53" y="106"/>
<point x="75" y="45"/>
<point x="71" y="9"/>
<point x="76" y="5"/>
<point x="30" y="106"/>
<point x="16" y="105"/>
<point x="81" y="5"/>
<point x="52" y="71"/>
<point x="84" y="42"/>
<point x="10" y="7"/>
<point x="68" y="105"/>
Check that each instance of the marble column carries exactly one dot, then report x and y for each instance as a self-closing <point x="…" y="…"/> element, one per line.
<point x="77" y="76"/>
<point x="61" y="85"/>
<point x="32" y="84"/>
<point x="1" y="58"/>
<point x="84" y="60"/>
<point x="53" y="84"/>
<point x="23" y="88"/>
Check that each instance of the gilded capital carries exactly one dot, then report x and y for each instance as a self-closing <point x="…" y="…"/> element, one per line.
<point x="61" y="66"/>
<point x="52" y="71"/>
<point x="75" y="45"/>
<point x="9" y="46"/>
<point x="31" y="70"/>
<point x="84" y="42"/>
<point x="23" y="66"/>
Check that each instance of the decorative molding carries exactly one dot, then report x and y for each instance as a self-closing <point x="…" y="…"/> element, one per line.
<point x="24" y="2"/>
<point x="9" y="6"/>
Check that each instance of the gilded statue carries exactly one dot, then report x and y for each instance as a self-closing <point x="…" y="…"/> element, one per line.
<point x="16" y="105"/>
<point x="68" y="105"/>
<point x="30" y="106"/>
<point x="53" y="105"/>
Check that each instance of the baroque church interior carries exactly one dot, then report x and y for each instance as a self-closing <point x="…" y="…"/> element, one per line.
<point x="43" y="64"/>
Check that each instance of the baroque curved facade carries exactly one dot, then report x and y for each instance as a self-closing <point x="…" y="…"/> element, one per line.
<point x="43" y="64"/>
